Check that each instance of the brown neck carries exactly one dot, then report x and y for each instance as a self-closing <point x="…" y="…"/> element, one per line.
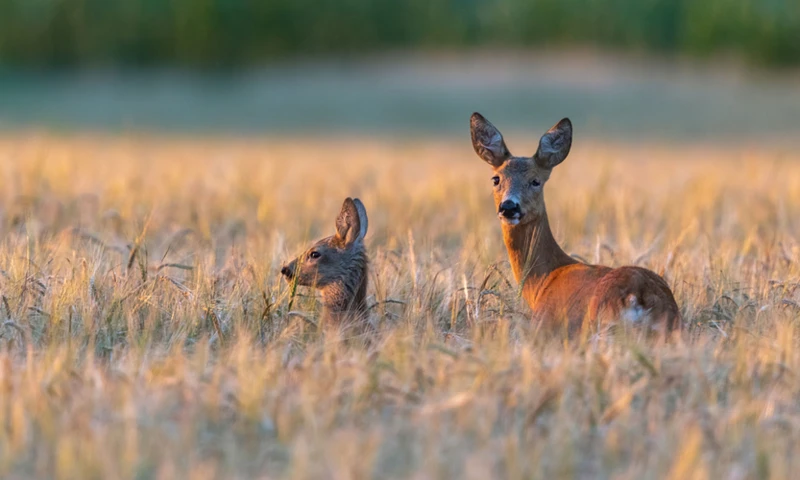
<point x="532" y="251"/>
<point x="346" y="299"/>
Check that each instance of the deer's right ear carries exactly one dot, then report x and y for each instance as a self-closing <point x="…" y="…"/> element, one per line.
<point x="487" y="141"/>
<point x="348" y="223"/>
<point x="362" y="218"/>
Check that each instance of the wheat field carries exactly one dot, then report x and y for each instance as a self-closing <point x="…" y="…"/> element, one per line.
<point x="146" y="332"/>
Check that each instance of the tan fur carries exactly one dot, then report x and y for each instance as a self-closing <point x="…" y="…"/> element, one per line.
<point x="560" y="290"/>
<point x="337" y="266"/>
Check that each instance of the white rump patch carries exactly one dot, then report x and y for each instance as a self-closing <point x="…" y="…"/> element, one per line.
<point x="633" y="312"/>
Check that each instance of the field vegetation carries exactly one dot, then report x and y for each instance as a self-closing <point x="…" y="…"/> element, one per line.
<point x="146" y="332"/>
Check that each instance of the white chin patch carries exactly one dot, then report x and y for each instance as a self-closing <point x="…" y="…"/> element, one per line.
<point x="510" y="221"/>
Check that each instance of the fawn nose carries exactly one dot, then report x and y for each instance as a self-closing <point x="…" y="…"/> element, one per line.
<point x="287" y="272"/>
<point x="509" y="209"/>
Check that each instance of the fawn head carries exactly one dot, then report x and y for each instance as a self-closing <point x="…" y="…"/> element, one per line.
<point x="337" y="258"/>
<point x="518" y="181"/>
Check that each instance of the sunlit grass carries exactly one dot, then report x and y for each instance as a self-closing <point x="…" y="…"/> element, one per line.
<point x="146" y="332"/>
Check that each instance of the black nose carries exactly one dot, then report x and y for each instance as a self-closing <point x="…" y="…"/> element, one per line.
<point x="509" y="208"/>
<point x="286" y="272"/>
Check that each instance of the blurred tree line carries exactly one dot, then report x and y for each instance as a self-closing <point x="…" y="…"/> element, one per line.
<point x="228" y="33"/>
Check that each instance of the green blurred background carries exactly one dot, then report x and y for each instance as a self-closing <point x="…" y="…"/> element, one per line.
<point x="654" y="68"/>
<point x="230" y="33"/>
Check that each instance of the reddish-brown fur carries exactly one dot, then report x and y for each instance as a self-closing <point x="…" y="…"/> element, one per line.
<point x="560" y="290"/>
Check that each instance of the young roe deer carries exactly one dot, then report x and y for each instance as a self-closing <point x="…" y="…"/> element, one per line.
<point x="337" y="266"/>
<point x="558" y="288"/>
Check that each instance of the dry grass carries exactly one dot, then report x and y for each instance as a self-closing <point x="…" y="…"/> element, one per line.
<point x="147" y="334"/>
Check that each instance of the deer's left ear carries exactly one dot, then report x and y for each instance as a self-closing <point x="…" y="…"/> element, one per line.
<point x="348" y="223"/>
<point x="554" y="145"/>
<point x="487" y="141"/>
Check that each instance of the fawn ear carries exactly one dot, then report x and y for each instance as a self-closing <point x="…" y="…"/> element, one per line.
<point x="487" y="141"/>
<point x="555" y="144"/>
<point x="362" y="218"/>
<point x="348" y="223"/>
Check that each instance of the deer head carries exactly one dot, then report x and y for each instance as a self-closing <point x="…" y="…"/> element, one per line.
<point x="336" y="265"/>
<point x="519" y="181"/>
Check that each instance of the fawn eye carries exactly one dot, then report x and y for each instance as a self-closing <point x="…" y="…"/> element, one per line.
<point x="536" y="183"/>
<point x="313" y="255"/>
<point x="495" y="181"/>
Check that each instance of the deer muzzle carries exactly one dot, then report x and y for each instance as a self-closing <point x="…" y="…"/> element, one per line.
<point x="509" y="211"/>
<point x="288" y="271"/>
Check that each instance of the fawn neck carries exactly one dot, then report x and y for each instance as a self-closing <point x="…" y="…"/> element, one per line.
<point x="346" y="298"/>
<point x="532" y="251"/>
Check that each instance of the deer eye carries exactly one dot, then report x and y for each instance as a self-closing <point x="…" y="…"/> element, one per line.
<point x="313" y="255"/>
<point x="495" y="181"/>
<point x="536" y="183"/>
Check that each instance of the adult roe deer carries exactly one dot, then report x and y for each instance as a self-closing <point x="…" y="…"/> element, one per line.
<point x="558" y="288"/>
<point x="337" y="266"/>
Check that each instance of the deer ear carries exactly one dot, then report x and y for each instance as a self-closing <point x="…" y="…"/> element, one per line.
<point x="487" y="141"/>
<point x="348" y="223"/>
<point x="362" y="218"/>
<point x="555" y="144"/>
